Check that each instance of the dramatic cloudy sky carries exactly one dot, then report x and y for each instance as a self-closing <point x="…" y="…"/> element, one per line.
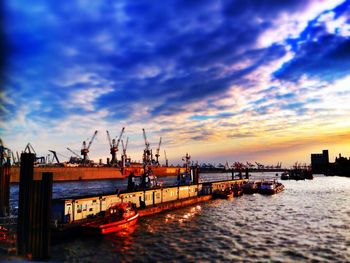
<point x="257" y="80"/>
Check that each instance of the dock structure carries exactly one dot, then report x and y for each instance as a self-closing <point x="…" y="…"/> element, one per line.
<point x="34" y="211"/>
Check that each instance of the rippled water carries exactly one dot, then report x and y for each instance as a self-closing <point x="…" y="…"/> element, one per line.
<point x="309" y="221"/>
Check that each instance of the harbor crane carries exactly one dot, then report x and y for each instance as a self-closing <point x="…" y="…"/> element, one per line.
<point x="114" y="144"/>
<point x="250" y="165"/>
<point x="112" y="147"/>
<point x="259" y="165"/>
<point x="73" y="152"/>
<point x="125" y="146"/>
<point x="38" y="160"/>
<point x="166" y="159"/>
<point x="29" y="148"/>
<point x="238" y="165"/>
<point x="85" y="149"/>
<point x="74" y="159"/>
<point x="157" y="152"/>
<point x="119" y="138"/>
<point x="147" y="153"/>
<point x="226" y="166"/>
<point x="55" y="156"/>
<point x="124" y="156"/>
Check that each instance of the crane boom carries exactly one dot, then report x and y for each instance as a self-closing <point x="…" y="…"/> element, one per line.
<point x="123" y="145"/>
<point x="126" y="145"/>
<point x="157" y="151"/>
<point x="109" y="139"/>
<point x="30" y="148"/>
<point x="54" y="155"/>
<point x="92" y="139"/>
<point x="77" y="155"/>
<point x="145" y="138"/>
<point x="13" y="158"/>
<point x="160" y="142"/>
<point x="120" y="136"/>
<point x="166" y="159"/>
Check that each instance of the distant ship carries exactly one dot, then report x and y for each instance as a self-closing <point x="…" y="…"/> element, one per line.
<point x="79" y="167"/>
<point x="94" y="173"/>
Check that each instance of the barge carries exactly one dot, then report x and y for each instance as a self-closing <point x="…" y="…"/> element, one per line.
<point x="71" y="213"/>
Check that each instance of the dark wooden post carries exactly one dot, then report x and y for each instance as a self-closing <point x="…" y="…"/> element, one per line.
<point x="5" y="172"/>
<point x="233" y="173"/>
<point x="25" y="179"/>
<point x="246" y="173"/>
<point x="34" y="211"/>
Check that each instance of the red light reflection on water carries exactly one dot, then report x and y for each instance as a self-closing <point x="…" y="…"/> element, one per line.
<point x="122" y="240"/>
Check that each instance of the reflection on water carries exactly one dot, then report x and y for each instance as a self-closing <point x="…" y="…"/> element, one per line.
<point x="309" y="221"/>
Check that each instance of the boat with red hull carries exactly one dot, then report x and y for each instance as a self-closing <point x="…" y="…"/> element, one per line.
<point x="118" y="217"/>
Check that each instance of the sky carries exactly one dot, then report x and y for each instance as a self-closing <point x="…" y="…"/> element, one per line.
<point x="253" y="80"/>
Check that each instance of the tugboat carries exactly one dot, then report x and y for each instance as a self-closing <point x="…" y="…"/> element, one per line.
<point x="118" y="217"/>
<point x="270" y="187"/>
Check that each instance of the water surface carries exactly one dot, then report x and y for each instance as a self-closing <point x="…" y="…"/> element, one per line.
<point x="309" y="221"/>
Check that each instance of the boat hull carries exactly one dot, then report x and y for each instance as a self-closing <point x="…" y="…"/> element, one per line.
<point x="108" y="228"/>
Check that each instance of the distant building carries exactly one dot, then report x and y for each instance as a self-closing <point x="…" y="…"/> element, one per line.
<point x="320" y="162"/>
<point x="340" y="167"/>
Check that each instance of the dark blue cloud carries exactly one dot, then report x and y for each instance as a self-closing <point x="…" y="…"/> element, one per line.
<point x="327" y="59"/>
<point x="164" y="56"/>
<point x="319" y="53"/>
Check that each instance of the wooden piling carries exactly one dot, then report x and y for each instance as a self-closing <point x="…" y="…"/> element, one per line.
<point x="240" y="174"/>
<point x="26" y="177"/>
<point x="5" y="190"/>
<point x="246" y="173"/>
<point x="195" y="171"/>
<point x="34" y="211"/>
